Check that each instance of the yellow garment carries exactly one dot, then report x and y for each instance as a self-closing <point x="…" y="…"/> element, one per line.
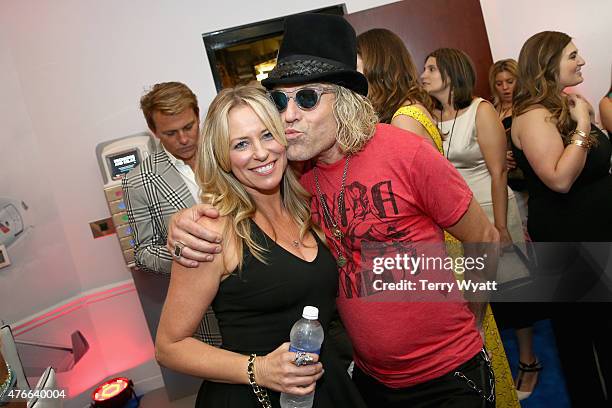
<point x="505" y="391"/>
<point x="418" y="115"/>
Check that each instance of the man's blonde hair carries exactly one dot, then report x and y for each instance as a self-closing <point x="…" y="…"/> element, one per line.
<point x="169" y="98"/>
<point x="356" y="119"/>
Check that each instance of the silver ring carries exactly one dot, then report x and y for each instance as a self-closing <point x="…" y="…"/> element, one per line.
<point x="301" y="358"/>
<point x="178" y="249"/>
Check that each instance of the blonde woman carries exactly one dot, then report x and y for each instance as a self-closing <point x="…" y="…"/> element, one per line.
<point x="274" y="263"/>
<point x="502" y="81"/>
<point x="503" y="76"/>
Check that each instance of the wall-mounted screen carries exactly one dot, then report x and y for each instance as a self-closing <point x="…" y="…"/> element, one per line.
<point x="119" y="164"/>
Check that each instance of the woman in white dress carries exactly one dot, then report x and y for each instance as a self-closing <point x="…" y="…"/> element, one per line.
<point x="474" y="138"/>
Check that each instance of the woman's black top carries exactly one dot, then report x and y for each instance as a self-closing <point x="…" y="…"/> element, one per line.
<point x="583" y="214"/>
<point x="257" y="307"/>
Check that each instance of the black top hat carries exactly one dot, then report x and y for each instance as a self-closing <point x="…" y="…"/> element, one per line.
<point x="318" y="48"/>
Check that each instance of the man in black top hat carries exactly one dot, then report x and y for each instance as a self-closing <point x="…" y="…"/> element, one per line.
<point x="371" y="183"/>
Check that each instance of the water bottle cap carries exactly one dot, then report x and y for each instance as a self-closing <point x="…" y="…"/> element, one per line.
<point x="310" y="312"/>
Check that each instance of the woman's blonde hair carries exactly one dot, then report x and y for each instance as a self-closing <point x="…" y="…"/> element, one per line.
<point x="538" y="79"/>
<point x="506" y="65"/>
<point x="219" y="185"/>
<point x="356" y="119"/>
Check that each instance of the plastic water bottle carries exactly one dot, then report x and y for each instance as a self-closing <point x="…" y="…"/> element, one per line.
<point x="306" y="335"/>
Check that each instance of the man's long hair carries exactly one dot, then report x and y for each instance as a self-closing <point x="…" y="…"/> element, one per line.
<point x="356" y="119"/>
<point x="219" y="185"/>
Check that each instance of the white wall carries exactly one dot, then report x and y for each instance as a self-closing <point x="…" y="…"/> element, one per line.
<point x="511" y="22"/>
<point x="42" y="254"/>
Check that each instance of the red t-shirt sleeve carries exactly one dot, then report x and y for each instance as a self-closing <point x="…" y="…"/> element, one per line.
<point x="437" y="187"/>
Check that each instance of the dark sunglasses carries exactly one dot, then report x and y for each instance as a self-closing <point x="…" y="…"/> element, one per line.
<point x="305" y="98"/>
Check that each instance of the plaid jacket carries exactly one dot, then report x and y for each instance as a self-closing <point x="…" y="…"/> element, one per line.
<point x="153" y="191"/>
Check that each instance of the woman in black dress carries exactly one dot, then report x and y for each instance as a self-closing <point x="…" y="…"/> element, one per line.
<point x="566" y="162"/>
<point x="502" y="81"/>
<point x="503" y="76"/>
<point x="273" y="264"/>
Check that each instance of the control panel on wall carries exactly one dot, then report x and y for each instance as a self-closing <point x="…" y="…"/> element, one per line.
<point x="116" y="158"/>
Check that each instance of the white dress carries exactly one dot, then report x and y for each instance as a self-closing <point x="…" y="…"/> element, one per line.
<point x="462" y="150"/>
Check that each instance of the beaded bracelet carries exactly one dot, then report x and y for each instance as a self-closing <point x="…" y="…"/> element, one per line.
<point x="260" y="392"/>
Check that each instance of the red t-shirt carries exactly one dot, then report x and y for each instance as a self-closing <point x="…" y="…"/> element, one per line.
<point x="398" y="189"/>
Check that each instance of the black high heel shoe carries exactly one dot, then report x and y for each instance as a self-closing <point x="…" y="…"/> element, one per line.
<point x="534" y="367"/>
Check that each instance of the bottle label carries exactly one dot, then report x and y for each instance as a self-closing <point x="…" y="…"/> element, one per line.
<point x="295" y="349"/>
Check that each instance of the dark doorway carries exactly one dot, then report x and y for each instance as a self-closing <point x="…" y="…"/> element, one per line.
<point x="243" y="54"/>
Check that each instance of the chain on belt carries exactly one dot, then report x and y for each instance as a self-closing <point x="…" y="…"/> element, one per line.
<point x="476" y="388"/>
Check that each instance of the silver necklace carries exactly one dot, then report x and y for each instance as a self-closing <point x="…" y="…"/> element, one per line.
<point x="328" y="216"/>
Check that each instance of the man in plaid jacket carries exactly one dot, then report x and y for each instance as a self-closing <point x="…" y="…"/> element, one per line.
<point x="165" y="182"/>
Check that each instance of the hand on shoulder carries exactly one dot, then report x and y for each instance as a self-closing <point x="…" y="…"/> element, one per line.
<point x="213" y="225"/>
<point x="200" y="243"/>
